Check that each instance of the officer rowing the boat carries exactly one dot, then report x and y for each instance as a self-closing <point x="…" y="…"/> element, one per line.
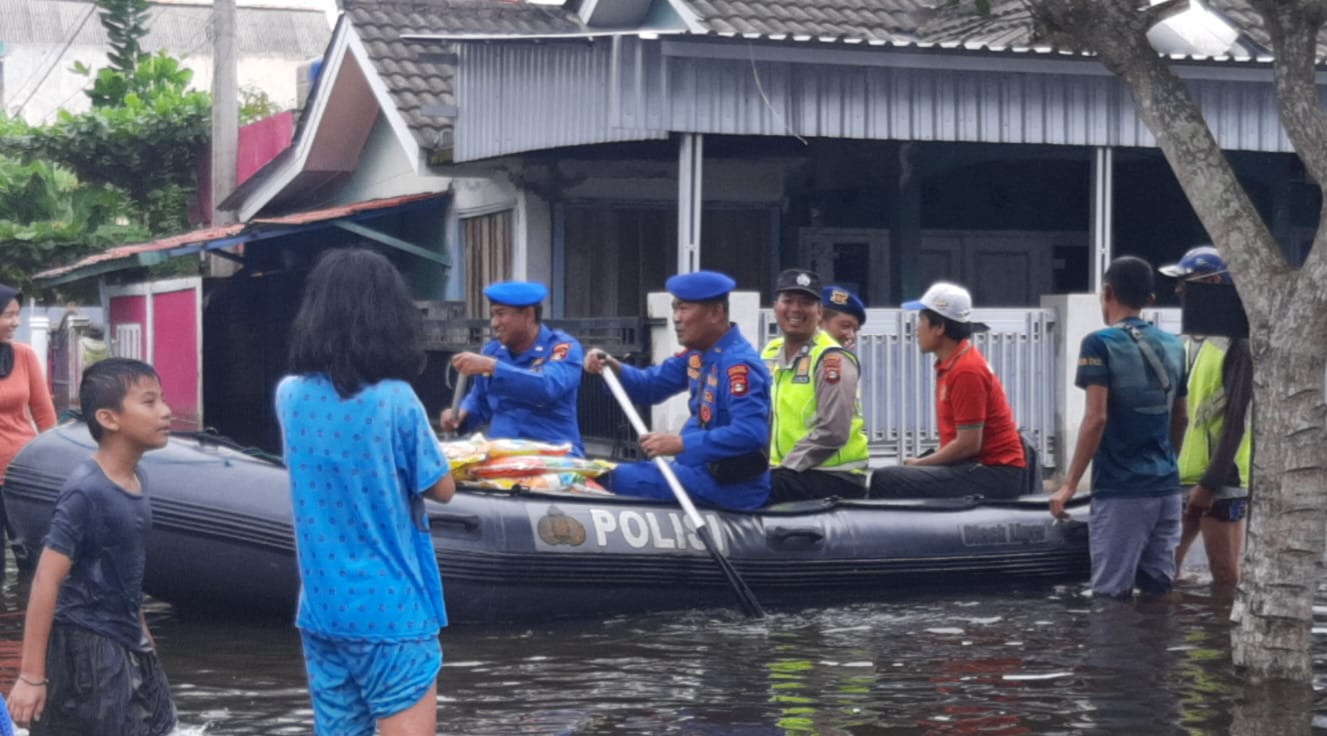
<point x="525" y="380"/>
<point x="720" y="456"/>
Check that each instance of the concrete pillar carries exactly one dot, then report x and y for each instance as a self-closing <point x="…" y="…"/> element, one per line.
<point x="1103" y="224"/>
<point x="690" y="201"/>
<point x="744" y="310"/>
<point x="40" y="327"/>
<point x="1076" y="316"/>
<point x="905" y="237"/>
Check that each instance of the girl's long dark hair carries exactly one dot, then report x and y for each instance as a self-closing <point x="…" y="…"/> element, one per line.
<point x="356" y="323"/>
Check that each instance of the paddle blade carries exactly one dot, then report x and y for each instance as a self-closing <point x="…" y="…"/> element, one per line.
<point x="750" y="606"/>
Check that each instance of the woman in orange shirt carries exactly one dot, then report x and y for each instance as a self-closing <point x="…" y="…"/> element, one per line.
<point x="25" y="401"/>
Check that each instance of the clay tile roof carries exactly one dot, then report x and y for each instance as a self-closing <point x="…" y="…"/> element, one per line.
<point x="858" y="20"/>
<point x="418" y="75"/>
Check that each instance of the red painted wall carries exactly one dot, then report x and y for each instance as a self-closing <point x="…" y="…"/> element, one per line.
<point x="175" y="354"/>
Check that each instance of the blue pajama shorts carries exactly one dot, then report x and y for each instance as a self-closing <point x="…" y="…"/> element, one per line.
<point x="354" y="684"/>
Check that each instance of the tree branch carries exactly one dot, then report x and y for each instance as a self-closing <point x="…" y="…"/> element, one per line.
<point x="1294" y="27"/>
<point x="1116" y="33"/>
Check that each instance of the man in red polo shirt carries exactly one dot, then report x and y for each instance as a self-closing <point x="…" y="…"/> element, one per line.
<point x="980" y="451"/>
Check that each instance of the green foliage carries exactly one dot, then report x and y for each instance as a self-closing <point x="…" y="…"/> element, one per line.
<point x="255" y="104"/>
<point x="125" y="22"/>
<point x="148" y="147"/>
<point x="47" y="216"/>
<point x="155" y="75"/>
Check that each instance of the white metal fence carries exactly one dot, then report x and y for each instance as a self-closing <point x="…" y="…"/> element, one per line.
<point x="898" y="381"/>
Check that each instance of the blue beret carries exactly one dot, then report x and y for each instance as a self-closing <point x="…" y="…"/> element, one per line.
<point x="516" y="293"/>
<point x="841" y="300"/>
<point x="701" y="286"/>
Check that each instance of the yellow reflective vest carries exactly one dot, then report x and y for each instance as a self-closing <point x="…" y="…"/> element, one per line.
<point x="793" y="396"/>
<point x="1207" y="411"/>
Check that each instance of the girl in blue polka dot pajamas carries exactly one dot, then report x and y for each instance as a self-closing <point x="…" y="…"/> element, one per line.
<point x="362" y="457"/>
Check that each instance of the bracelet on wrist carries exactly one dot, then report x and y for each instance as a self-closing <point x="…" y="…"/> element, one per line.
<point x="35" y="683"/>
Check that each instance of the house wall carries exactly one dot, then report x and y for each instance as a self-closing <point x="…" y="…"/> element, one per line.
<point x="639" y="181"/>
<point x="526" y="97"/>
<point x="385" y="170"/>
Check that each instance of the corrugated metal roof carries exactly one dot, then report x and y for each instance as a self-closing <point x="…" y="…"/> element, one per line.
<point x="420" y="76"/>
<point x="221" y="236"/>
<point x="180" y="29"/>
<point x="545" y="96"/>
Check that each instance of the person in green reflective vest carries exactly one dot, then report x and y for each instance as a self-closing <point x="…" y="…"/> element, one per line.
<point x="1215" y="455"/>
<point x="818" y="444"/>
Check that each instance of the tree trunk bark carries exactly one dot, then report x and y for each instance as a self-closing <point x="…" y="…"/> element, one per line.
<point x="1287" y="310"/>
<point x="1288" y="512"/>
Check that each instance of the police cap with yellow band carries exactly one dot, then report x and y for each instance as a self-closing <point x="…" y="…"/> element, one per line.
<point x="700" y="286"/>
<point x="841" y="300"/>
<point x="516" y="293"/>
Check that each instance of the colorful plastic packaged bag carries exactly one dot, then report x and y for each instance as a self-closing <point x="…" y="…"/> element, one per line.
<point x="522" y="465"/>
<point x="510" y="447"/>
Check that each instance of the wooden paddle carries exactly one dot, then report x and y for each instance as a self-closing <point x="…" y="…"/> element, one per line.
<point x="750" y="606"/>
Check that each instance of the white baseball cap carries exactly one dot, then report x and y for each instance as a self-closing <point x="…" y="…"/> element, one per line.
<point x="950" y="301"/>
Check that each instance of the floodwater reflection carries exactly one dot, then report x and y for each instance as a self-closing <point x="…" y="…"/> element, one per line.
<point x="1043" y="660"/>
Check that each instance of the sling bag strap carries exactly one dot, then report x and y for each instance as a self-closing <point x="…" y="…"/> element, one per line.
<point x="1153" y="360"/>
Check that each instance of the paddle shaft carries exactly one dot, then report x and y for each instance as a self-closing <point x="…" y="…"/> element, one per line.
<point x="458" y="394"/>
<point x="638" y="424"/>
<point x="750" y="606"/>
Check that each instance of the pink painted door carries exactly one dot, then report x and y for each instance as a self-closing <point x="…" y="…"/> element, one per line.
<point x="176" y="348"/>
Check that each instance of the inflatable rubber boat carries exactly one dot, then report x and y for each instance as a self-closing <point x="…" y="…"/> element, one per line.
<point x="222" y="542"/>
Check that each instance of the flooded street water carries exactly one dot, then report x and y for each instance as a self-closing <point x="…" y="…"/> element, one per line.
<point x="1024" y="660"/>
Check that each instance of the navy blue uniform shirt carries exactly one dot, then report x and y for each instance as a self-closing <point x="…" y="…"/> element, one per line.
<point x="728" y="397"/>
<point x="531" y="395"/>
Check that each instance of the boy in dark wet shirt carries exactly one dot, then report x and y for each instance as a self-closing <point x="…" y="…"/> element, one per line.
<point x="89" y="667"/>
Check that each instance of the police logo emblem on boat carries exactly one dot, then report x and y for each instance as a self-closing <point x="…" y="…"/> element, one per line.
<point x="557" y="528"/>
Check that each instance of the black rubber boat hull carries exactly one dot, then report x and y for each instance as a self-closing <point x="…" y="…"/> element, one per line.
<point x="222" y="542"/>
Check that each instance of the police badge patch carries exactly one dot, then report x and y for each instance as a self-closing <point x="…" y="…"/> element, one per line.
<point x="833" y="368"/>
<point x="737" y="380"/>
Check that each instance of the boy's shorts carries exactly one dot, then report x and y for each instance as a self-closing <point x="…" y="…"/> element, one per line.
<point x="99" y="687"/>
<point x="354" y="684"/>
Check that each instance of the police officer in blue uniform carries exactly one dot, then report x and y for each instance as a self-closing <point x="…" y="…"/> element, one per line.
<point x="721" y="455"/>
<point x="525" y="381"/>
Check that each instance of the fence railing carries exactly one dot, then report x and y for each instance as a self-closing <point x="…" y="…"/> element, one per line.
<point x="898" y="380"/>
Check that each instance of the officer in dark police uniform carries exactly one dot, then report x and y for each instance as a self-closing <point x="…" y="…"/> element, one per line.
<point x="721" y="455"/>
<point x="525" y="381"/>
